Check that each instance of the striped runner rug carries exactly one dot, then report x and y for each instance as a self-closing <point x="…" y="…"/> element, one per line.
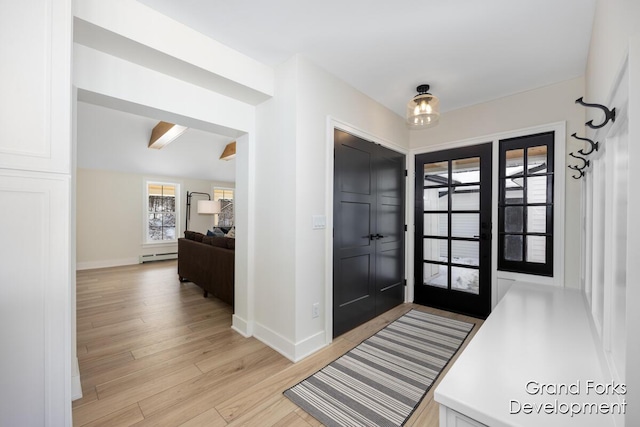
<point x="382" y="380"/>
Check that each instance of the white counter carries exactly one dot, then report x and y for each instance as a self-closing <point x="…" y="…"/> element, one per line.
<point x="536" y="335"/>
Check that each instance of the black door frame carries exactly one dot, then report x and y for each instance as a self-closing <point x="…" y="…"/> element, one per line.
<point x="471" y="304"/>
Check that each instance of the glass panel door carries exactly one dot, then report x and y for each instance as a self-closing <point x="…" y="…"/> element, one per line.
<point x="453" y="229"/>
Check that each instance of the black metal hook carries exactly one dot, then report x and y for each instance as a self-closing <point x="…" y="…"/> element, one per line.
<point x="584" y="166"/>
<point x="608" y="114"/>
<point x="593" y="145"/>
<point x="580" y="171"/>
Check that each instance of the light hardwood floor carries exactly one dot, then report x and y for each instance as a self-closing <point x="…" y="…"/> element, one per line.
<point x="154" y="352"/>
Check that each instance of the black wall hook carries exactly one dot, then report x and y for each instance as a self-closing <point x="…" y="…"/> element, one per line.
<point x="593" y="145"/>
<point x="585" y="161"/>
<point x="580" y="171"/>
<point x="608" y="114"/>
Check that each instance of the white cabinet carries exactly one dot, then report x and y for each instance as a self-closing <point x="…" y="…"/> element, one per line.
<point x="35" y="176"/>
<point x="537" y="335"/>
<point x="451" y="418"/>
<point x="35" y="83"/>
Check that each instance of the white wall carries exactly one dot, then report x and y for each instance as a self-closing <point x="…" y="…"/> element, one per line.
<point x="294" y="141"/>
<point x="615" y="33"/>
<point x="109" y="216"/>
<point x="275" y="245"/>
<point x="540" y="106"/>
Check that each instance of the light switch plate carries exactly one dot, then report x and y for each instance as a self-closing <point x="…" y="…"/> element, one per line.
<point x="318" y="222"/>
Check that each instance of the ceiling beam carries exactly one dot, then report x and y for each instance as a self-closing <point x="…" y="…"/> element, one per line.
<point x="164" y="133"/>
<point x="229" y="151"/>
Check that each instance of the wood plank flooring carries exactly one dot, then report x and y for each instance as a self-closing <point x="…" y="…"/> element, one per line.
<point x="154" y="352"/>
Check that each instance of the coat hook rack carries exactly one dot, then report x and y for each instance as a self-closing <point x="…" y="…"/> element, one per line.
<point x="593" y="145"/>
<point x="608" y="114"/>
<point x="586" y="162"/>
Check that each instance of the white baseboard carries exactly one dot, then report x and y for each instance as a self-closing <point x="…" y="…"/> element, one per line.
<point x="76" y="387"/>
<point x="241" y="326"/>
<point x="276" y="341"/>
<point x="310" y="345"/>
<point x="89" y="265"/>
<point x="292" y="351"/>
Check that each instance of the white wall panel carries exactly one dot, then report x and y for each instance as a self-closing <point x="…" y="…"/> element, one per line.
<point x="36" y="52"/>
<point x="34" y="300"/>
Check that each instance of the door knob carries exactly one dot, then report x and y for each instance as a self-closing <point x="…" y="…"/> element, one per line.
<point x="379" y="236"/>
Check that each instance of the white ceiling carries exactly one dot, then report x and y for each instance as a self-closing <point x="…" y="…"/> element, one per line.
<point x="114" y="140"/>
<point x="469" y="51"/>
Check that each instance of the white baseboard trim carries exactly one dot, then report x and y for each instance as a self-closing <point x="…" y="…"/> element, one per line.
<point x="241" y="326"/>
<point x="275" y="341"/>
<point x="310" y="345"/>
<point x="89" y="265"/>
<point x="76" y="386"/>
<point x="292" y="351"/>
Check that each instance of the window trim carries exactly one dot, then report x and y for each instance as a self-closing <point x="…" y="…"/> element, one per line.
<point x="145" y="212"/>
<point x="524" y="142"/>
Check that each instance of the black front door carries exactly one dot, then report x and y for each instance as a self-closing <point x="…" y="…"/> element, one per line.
<point x="368" y="241"/>
<point x="453" y="230"/>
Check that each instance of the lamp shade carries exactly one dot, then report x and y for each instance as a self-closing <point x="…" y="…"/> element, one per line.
<point x="208" y="207"/>
<point x="423" y="110"/>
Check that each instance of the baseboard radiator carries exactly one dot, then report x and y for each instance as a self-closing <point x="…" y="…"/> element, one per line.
<point x="158" y="257"/>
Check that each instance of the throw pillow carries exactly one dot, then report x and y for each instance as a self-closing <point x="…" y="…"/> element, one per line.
<point x="217" y="232"/>
<point x="231" y="233"/>
<point x="210" y="233"/>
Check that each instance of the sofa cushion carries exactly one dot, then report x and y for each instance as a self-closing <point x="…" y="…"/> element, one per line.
<point x="231" y="244"/>
<point x="189" y="234"/>
<point x="198" y="236"/>
<point x="219" y="242"/>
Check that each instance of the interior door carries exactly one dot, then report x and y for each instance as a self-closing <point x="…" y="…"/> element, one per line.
<point x="368" y="242"/>
<point x="453" y="230"/>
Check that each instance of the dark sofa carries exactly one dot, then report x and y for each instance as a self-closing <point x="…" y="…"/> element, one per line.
<point x="209" y="262"/>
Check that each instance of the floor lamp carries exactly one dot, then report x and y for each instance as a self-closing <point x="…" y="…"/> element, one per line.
<point x="206" y="207"/>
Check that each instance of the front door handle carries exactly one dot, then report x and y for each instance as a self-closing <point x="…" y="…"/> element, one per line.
<point x="375" y="236"/>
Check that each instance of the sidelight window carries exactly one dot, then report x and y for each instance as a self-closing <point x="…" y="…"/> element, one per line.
<point x="525" y="209"/>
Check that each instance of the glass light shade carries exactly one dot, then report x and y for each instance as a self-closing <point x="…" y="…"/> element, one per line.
<point x="423" y="111"/>
<point x="208" y="207"/>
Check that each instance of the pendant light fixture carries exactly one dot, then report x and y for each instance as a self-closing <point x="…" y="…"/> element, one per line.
<point x="423" y="110"/>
